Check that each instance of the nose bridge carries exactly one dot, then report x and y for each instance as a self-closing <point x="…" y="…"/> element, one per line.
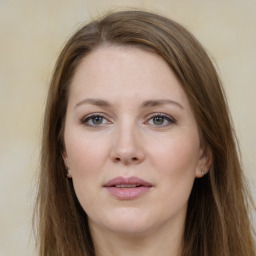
<point x="127" y="145"/>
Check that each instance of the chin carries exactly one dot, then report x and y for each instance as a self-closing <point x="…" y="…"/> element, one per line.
<point x="128" y="221"/>
<point x="126" y="227"/>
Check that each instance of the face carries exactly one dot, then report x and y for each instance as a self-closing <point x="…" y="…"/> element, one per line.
<point x="132" y="144"/>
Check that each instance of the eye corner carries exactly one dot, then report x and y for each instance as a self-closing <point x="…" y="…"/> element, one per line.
<point x="164" y="120"/>
<point x="95" y="120"/>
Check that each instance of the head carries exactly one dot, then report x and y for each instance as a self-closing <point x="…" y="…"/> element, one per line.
<point x="212" y="195"/>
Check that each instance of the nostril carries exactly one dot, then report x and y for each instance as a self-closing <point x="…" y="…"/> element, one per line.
<point x="117" y="159"/>
<point x="126" y="160"/>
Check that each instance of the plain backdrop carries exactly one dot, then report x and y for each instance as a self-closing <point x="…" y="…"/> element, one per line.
<point x="32" y="34"/>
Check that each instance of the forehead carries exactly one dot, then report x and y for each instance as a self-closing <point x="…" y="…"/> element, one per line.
<point x="125" y="72"/>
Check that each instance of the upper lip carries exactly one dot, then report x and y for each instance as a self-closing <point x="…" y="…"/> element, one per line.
<point x="127" y="181"/>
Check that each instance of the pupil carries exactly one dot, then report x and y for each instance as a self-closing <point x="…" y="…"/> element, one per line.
<point x="158" y="120"/>
<point x="97" y="120"/>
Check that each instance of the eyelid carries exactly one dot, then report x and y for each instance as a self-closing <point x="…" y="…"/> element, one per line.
<point x="169" y="118"/>
<point x="86" y="118"/>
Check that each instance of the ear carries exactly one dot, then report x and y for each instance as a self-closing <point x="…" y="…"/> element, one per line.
<point x="66" y="162"/>
<point x="205" y="159"/>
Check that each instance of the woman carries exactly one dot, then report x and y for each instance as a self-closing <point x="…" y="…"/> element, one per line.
<point x="138" y="155"/>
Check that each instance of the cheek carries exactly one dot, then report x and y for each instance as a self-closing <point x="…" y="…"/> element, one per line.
<point x="86" y="157"/>
<point x="177" y="155"/>
<point x="85" y="153"/>
<point x="175" y="161"/>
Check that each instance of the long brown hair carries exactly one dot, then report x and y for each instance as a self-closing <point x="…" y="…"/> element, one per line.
<point x="217" y="221"/>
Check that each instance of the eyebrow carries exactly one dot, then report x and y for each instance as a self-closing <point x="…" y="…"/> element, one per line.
<point x="146" y="104"/>
<point x="96" y="102"/>
<point x="153" y="103"/>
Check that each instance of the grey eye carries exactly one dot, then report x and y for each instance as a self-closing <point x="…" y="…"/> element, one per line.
<point x="158" y="120"/>
<point x="97" y="120"/>
<point x="94" y="120"/>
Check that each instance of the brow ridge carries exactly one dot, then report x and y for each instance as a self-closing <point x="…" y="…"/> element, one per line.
<point x="153" y="103"/>
<point x="96" y="102"/>
<point x="146" y="104"/>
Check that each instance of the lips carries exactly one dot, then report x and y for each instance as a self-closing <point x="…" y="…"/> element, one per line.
<point x="127" y="188"/>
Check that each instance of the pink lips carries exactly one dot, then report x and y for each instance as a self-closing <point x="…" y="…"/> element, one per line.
<point x="127" y="188"/>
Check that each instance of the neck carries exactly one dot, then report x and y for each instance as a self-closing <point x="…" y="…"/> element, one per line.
<point x="164" y="241"/>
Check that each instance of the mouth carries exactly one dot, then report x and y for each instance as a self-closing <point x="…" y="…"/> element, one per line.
<point x="127" y="188"/>
<point x="130" y="182"/>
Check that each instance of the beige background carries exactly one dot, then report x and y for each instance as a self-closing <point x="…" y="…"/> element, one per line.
<point x="32" y="33"/>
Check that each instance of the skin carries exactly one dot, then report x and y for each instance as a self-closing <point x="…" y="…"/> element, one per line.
<point x="128" y="141"/>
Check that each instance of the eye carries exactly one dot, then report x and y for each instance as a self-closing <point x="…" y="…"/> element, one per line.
<point x="160" y="120"/>
<point x="94" y="120"/>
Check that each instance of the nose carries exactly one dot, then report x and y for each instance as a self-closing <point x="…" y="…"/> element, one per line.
<point x="127" y="146"/>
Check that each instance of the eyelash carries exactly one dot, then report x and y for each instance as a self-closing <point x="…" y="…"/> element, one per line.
<point x="89" y="117"/>
<point x="166" y="117"/>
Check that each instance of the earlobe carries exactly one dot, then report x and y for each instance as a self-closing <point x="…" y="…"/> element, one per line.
<point x="68" y="173"/>
<point x="204" y="162"/>
<point x="67" y="170"/>
<point x="65" y="158"/>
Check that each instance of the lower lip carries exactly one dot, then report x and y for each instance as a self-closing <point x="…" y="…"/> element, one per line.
<point x="127" y="193"/>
